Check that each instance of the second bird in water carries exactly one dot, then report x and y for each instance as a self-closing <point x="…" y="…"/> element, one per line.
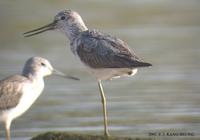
<point x="19" y="92"/>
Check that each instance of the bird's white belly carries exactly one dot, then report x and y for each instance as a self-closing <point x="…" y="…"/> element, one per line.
<point x="31" y="93"/>
<point x="106" y="73"/>
<point x="109" y="73"/>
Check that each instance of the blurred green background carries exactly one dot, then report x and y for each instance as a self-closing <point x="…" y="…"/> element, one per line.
<point x="163" y="98"/>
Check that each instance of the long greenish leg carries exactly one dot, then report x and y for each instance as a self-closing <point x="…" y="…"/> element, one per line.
<point x="7" y="129"/>
<point x="103" y="100"/>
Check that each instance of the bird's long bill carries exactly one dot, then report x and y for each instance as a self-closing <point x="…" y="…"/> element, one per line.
<point x="50" y="26"/>
<point x="58" y="73"/>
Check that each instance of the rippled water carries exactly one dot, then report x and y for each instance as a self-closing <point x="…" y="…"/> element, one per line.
<point x="163" y="98"/>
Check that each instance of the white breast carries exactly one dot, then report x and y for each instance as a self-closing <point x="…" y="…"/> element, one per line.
<point x="31" y="92"/>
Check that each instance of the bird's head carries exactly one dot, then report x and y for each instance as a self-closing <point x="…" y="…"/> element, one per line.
<point x="67" y="21"/>
<point x="38" y="67"/>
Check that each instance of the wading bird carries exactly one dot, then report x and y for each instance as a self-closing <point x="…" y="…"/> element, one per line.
<point x="19" y="92"/>
<point x="106" y="57"/>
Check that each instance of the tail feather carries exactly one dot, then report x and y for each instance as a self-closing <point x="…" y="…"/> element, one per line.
<point x="131" y="62"/>
<point x="141" y="64"/>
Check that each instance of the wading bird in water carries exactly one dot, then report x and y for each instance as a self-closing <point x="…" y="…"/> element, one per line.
<point x="19" y="92"/>
<point x="105" y="56"/>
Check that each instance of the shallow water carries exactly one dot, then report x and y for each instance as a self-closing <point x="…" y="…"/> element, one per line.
<point x="163" y="98"/>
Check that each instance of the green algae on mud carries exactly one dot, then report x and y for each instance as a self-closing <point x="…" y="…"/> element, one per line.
<point x="73" y="136"/>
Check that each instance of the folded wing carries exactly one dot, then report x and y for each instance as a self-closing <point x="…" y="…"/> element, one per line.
<point x="98" y="50"/>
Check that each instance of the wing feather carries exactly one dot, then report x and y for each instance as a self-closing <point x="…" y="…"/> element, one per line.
<point x="98" y="50"/>
<point x="10" y="91"/>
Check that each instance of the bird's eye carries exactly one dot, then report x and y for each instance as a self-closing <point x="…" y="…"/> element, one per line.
<point x="43" y="64"/>
<point x="62" y="18"/>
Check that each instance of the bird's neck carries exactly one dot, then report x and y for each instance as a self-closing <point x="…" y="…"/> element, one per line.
<point x="33" y="76"/>
<point x="74" y="30"/>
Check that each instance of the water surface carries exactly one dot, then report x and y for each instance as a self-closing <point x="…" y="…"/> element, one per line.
<point x="163" y="98"/>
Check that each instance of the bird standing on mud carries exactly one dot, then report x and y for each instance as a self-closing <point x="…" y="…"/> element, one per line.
<point x="105" y="56"/>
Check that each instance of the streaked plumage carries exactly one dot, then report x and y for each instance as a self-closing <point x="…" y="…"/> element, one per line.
<point x="98" y="50"/>
<point x="105" y="56"/>
<point x="11" y="91"/>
